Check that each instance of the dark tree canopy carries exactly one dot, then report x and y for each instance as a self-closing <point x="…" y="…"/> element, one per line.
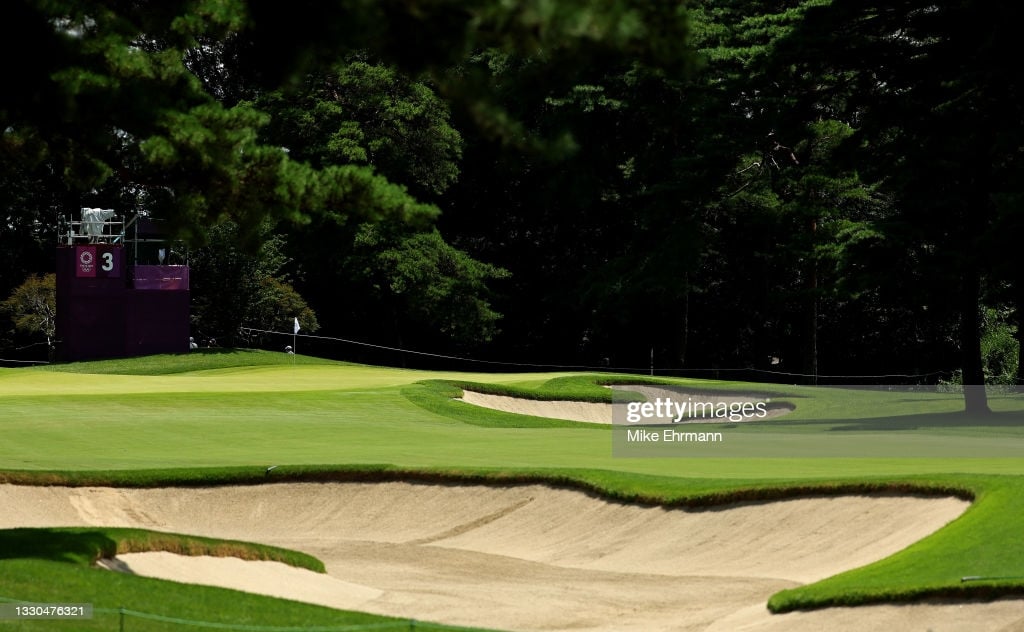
<point x="108" y="100"/>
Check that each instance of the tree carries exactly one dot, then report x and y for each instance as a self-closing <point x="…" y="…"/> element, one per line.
<point x="276" y="305"/>
<point x="32" y="307"/>
<point x="233" y="288"/>
<point x="369" y="114"/>
<point x="406" y="283"/>
<point x="422" y="285"/>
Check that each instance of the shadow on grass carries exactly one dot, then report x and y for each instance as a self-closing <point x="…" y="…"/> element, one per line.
<point x="925" y="421"/>
<point x="902" y="422"/>
<point x="77" y="546"/>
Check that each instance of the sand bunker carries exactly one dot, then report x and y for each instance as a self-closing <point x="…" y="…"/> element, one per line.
<point x="601" y="413"/>
<point x="273" y="579"/>
<point x="590" y="412"/>
<point x="525" y="557"/>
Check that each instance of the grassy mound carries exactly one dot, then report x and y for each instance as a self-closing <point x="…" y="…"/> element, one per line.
<point x="84" y="546"/>
<point x="198" y="360"/>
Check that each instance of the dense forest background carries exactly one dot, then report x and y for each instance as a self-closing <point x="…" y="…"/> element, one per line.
<point x="792" y="189"/>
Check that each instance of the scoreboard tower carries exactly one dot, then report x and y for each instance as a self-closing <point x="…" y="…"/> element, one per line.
<point x="118" y="293"/>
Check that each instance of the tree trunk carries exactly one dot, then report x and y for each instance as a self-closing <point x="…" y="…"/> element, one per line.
<point x="811" y="315"/>
<point x="1020" y="354"/>
<point x="686" y="324"/>
<point x="1019" y="292"/>
<point x="975" y="397"/>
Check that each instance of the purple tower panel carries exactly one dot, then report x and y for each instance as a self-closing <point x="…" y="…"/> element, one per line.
<point x="96" y="330"/>
<point x="91" y="288"/>
<point x="158" y="322"/>
<point x="160" y="277"/>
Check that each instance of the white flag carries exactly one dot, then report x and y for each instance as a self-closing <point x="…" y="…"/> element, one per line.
<point x="296" y="325"/>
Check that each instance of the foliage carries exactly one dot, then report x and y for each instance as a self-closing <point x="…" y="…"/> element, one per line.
<point x="235" y="289"/>
<point x="406" y="284"/>
<point x="32" y="307"/>
<point x="125" y="99"/>
<point x="28" y="197"/>
<point x="367" y="114"/>
<point x="277" y="305"/>
<point x="424" y="283"/>
<point x="1000" y="349"/>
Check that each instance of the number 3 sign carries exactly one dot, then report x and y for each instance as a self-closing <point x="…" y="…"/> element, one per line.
<point x="97" y="261"/>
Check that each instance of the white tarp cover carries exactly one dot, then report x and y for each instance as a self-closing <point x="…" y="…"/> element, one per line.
<point x="93" y="220"/>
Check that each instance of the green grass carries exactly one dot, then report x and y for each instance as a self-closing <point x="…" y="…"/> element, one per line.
<point x="85" y="546"/>
<point x="218" y="418"/>
<point x="983" y="543"/>
<point x="198" y="360"/>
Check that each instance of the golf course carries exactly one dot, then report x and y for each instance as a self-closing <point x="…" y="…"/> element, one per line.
<point x="366" y="497"/>
<point x="518" y="316"/>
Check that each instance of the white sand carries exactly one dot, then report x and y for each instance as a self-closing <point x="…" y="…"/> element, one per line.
<point x="601" y="413"/>
<point x="265" y="578"/>
<point x="590" y="412"/>
<point x="529" y="557"/>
